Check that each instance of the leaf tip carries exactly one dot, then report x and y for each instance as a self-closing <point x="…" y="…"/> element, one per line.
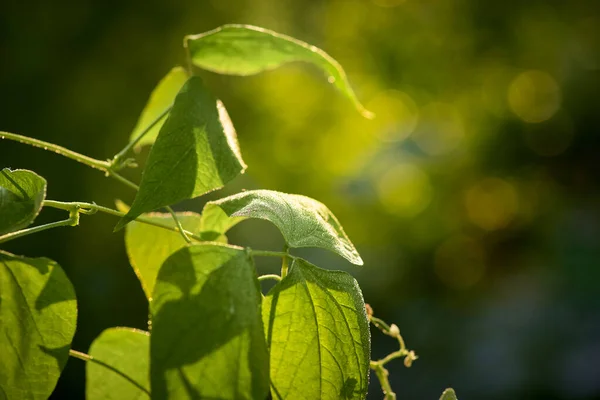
<point x="121" y="224"/>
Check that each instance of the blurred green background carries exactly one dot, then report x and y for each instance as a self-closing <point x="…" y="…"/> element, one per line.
<point x="473" y="196"/>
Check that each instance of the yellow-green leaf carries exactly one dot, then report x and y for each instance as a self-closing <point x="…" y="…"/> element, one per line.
<point x="161" y="99"/>
<point x="196" y="152"/>
<point x="207" y="337"/>
<point x="38" y="314"/>
<point x="304" y="222"/>
<point x="149" y="246"/>
<point x="122" y="366"/>
<point x="318" y="335"/>
<point x="22" y="193"/>
<point x="449" y="394"/>
<point x="247" y="50"/>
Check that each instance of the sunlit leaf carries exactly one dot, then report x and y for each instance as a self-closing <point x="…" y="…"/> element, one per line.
<point x="207" y="335"/>
<point x="21" y="195"/>
<point x="161" y="99"/>
<point x="448" y="395"/>
<point x="317" y="318"/>
<point x="215" y="223"/>
<point x="248" y="50"/>
<point x="38" y="314"/>
<point x="196" y="152"/>
<point x="149" y="246"/>
<point x="121" y="367"/>
<point x="304" y="222"/>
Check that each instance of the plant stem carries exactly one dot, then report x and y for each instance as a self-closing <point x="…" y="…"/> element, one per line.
<point x="87" y="358"/>
<point x="122" y="179"/>
<point x="188" y="57"/>
<point x="285" y="262"/>
<point x="91" y="207"/>
<point x="115" y="164"/>
<point x="268" y="253"/>
<point x="269" y="276"/>
<point x="35" y="229"/>
<point x="91" y="162"/>
<point x="107" y="167"/>
<point x="382" y="375"/>
<point x="178" y="223"/>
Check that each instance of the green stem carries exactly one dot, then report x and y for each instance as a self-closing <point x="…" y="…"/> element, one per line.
<point x="269" y="276"/>
<point x="178" y="223"/>
<point x="87" y="358"/>
<point x="382" y="375"/>
<point x="107" y="167"/>
<point x="115" y="164"/>
<point x="392" y="356"/>
<point x="268" y="253"/>
<point x="285" y="262"/>
<point x="122" y="179"/>
<point x="188" y="57"/>
<point x="36" y="229"/>
<point x="91" y="162"/>
<point x="91" y="207"/>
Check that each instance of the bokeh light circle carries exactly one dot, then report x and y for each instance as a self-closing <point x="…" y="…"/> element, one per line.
<point x="491" y="203"/>
<point x="534" y="96"/>
<point x="404" y="190"/>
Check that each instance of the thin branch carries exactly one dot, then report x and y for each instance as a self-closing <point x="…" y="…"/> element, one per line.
<point x="91" y="162"/>
<point x="178" y="223"/>
<point x="269" y="276"/>
<point x="35" y="229"/>
<point x="92" y="207"/>
<point x="116" y="164"/>
<point x="268" y="253"/>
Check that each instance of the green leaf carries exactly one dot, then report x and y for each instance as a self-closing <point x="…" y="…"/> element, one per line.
<point x="448" y="395"/>
<point x="207" y="336"/>
<point x="196" y="152"/>
<point x="318" y="335"/>
<point x="304" y="222"/>
<point x="121" y="366"/>
<point x="248" y="50"/>
<point x="22" y="193"/>
<point x="215" y="223"/>
<point x="38" y="314"/>
<point x="161" y="99"/>
<point x="149" y="246"/>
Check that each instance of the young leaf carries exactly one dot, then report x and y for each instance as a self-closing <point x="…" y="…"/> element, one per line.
<point x="215" y="223"/>
<point x="207" y="336"/>
<point x="161" y="99"/>
<point x="448" y="395"/>
<point x="21" y="195"/>
<point x="38" y="314"/>
<point x="149" y="246"/>
<point x="248" y="50"/>
<point x="317" y="318"/>
<point x="121" y="367"/>
<point x="304" y="222"/>
<point x="196" y="152"/>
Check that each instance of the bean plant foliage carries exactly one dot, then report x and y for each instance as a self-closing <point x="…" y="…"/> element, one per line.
<point x="212" y="332"/>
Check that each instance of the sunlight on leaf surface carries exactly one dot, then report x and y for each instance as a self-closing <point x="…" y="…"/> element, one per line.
<point x="318" y="318"/>
<point x="162" y="98"/>
<point x="127" y="350"/>
<point x="248" y="50"/>
<point x="196" y="152"/>
<point x="21" y="195"/>
<point x="38" y="314"/>
<point x="304" y="222"/>
<point x="207" y="336"/>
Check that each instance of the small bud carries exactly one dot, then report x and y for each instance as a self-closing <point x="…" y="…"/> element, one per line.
<point x="394" y="330"/>
<point x="369" y="310"/>
<point x="410" y="357"/>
